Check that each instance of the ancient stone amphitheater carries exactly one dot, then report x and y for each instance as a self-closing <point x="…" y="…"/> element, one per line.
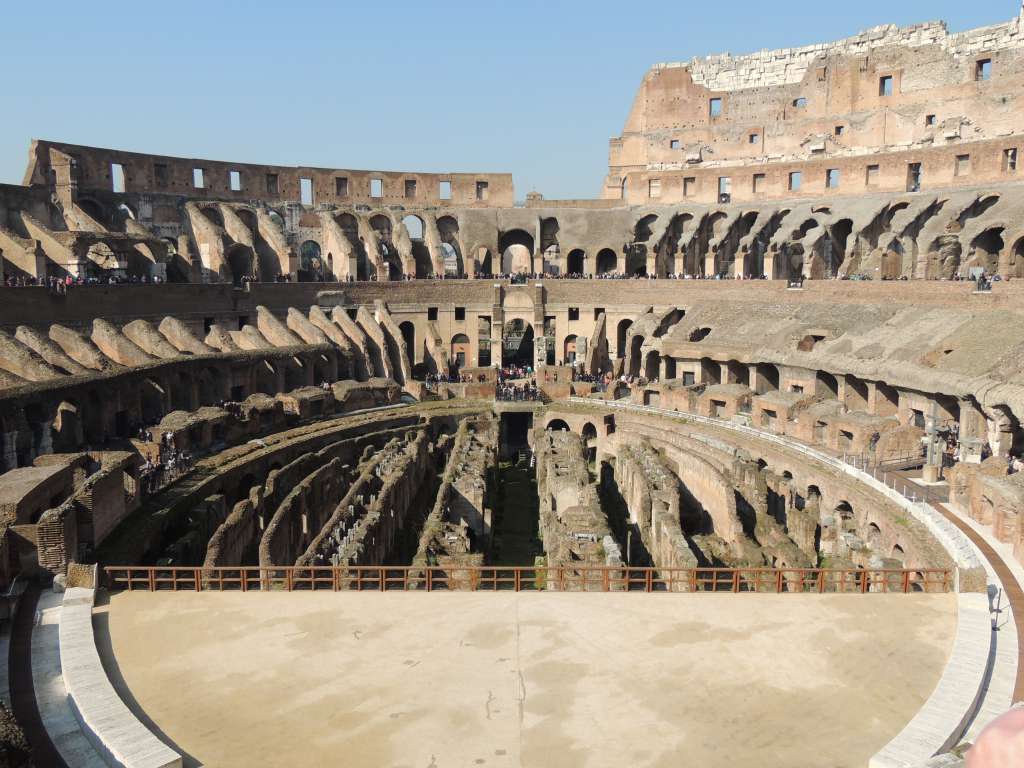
<point x="722" y="468"/>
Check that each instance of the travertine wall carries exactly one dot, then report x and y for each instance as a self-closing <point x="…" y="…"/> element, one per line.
<point x="822" y="107"/>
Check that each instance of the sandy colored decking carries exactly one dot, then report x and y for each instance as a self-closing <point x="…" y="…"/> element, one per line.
<point x="546" y="680"/>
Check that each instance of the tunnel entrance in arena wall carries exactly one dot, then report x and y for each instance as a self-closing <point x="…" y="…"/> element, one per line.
<point x="517" y="344"/>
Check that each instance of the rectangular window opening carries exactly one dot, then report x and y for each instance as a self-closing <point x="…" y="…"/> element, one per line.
<point x="983" y="69"/>
<point x="376" y="187"/>
<point x="673" y="144"/>
<point x="117" y="177"/>
<point x="1010" y="160"/>
<point x="885" y="86"/>
<point x="832" y="178"/>
<point x="160" y="174"/>
<point x="929" y="121"/>
<point x="574" y="313"/>
<point x="197" y="178"/>
<point x="445" y="190"/>
<point x="795" y="180"/>
<point x="306" y="191"/>
<point x="689" y="186"/>
<point x="838" y="130"/>
<point x="754" y="138"/>
<point x="759" y="183"/>
<point x="483" y="190"/>
<point x="724" y="189"/>
<point x="431" y="313"/>
<point x="871" y="176"/>
<point x="341" y="186"/>
<point x="271" y="183"/>
<point x="460" y="313"/>
<point x="235" y="181"/>
<point x="654" y="188"/>
<point x="410" y="187"/>
<point x="715" y="107"/>
<point x="913" y="177"/>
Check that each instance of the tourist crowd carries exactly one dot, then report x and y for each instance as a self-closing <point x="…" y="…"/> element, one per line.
<point x="169" y="466"/>
<point x="527" y="391"/>
<point x="60" y="285"/>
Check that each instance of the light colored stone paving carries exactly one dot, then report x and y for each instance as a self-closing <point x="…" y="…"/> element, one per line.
<point x="444" y="680"/>
<point x="55" y="707"/>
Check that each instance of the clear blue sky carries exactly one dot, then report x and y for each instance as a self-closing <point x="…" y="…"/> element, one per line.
<point x="535" y="88"/>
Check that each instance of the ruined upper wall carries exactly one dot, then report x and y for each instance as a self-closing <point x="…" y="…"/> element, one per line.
<point x="824" y="107"/>
<point x="161" y="174"/>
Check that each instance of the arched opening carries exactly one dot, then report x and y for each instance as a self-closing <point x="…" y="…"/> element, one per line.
<point x="622" y="330"/>
<point x="827" y="384"/>
<point x="311" y="266"/>
<point x="1016" y="266"/>
<point x="209" y="385"/>
<point x="569" y="350"/>
<point x="93" y="210"/>
<point x="985" y="249"/>
<point x="874" y="536"/>
<point x="607" y="261"/>
<point x="557" y="425"/>
<point x="214" y="216"/>
<point x="294" y="375"/>
<point x="844" y="516"/>
<point x="448" y="231"/>
<point x="452" y="262"/>
<point x="634" y="354"/>
<point x="408" y="331"/>
<point x="240" y="263"/>
<point x="518" y="343"/>
<point x="652" y="366"/>
<point x="767" y="378"/>
<point x="574" y="262"/>
<point x="484" y="263"/>
<point x="420" y="253"/>
<point x="835" y="246"/>
<point x="898" y="554"/>
<point x="460" y="350"/>
<point x="516" y="247"/>
<point x="152" y="401"/>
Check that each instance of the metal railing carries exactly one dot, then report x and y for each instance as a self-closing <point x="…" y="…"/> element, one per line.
<point x="525" y="579"/>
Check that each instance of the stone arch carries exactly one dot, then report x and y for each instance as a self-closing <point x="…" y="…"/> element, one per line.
<point x="557" y="425"/>
<point x="240" y="262"/>
<point x="213" y="215"/>
<point x="574" y="262"/>
<point x="152" y="401"/>
<point x="607" y="262"/>
<point x="516" y="249"/>
<point x="460" y="350"/>
<point x="484" y="262"/>
<point x="635" y="345"/>
<point x="621" y="333"/>
<point x="311" y="265"/>
<point x="652" y="365"/>
<point x="408" y="331"/>
<point x="985" y="249"/>
<point x="518" y="343"/>
<point x="569" y="349"/>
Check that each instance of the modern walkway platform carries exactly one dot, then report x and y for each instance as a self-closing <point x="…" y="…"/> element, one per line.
<point x="528" y="679"/>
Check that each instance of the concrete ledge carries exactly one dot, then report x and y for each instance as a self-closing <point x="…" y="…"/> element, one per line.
<point x="954" y="701"/>
<point x="115" y="732"/>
